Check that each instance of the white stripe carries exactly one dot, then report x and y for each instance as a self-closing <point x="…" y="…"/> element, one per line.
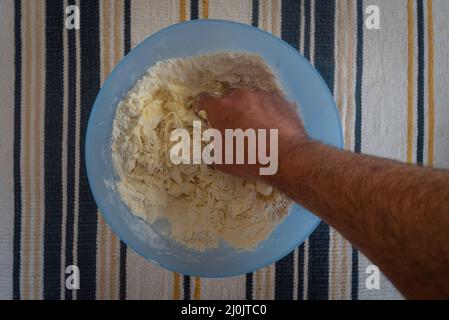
<point x="147" y="19"/>
<point x="295" y="274"/>
<point x="77" y="151"/>
<point x="306" y="270"/>
<point x="384" y="86"/>
<point x="384" y="112"/>
<point x="441" y="81"/>
<point x="41" y="186"/>
<point x="32" y="147"/>
<point x="235" y="10"/>
<point x="312" y="31"/>
<point x="64" y="161"/>
<point x="223" y="289"/>
<point x="145" y="280"/>
<point x="302" y="28"/>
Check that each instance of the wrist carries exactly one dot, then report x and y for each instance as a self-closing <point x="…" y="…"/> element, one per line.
<point x="294" y="162"/>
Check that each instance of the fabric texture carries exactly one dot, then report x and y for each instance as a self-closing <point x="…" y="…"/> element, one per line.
<point x="390" y="85"/>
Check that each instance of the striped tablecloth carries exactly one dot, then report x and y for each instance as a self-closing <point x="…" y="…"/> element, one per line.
<point x="391" y="87"/>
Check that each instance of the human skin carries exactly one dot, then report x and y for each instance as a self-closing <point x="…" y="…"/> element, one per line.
<point x="396" y="214"/>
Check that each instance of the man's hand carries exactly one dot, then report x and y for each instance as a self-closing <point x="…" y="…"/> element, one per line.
<point x="397" y="214"/>
<point x="254" y="109"/>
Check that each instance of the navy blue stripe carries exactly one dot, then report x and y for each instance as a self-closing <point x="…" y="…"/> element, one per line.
<point x="255" y="13"/>
<point x="324" y="40"/>
<point x="249" y="286"/>
<point x="90" y="85"/>
<point x="358" y="129"/>
<point x="122" y="276"/>
<point x="54" y="105"/>
<point x="17" y="155"/>
<point x="291" y="17"/>
<point x="71" y="138"/>
<point x="186" y="288"/>
<point x="194" y="9"/>
<point x="318" y="279"/>
<point x="318" y="267"/>
<point x="123" y="247"/>
<point x="355" y="275"/>
<point x="127" y="23"/>
<point x="358" y="84"/>
<point x="307" y="28"/>
<point x="420" y="102"/>
<point x="284" y="274"/>
<point x="300" y="266"/>
<point x="283" y="288"/>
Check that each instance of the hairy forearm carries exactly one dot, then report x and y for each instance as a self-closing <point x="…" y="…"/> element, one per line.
<point x="397" y="214"/>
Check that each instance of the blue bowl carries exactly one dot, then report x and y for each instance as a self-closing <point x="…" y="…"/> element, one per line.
<point x="301" y="83"/>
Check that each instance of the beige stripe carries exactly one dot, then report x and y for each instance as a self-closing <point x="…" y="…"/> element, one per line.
<point x="25" y="144"/>
<point x="7" y="84"/>
<point x="106" y="41"/>
<point x="182" y="10"/>
<point x="101" y="227"/>
<point x="114" y="240"/>
<point x="176" y="286"/>
<point x="269" y="281"/>
<point x="345" y="283"/>
<point x="258" y="284"/>
<point x="107" y="242"/>
<point x="118" y="31"/>
<point x="38" y="144"/>
<point x="340" y="54"/>
<point x="410" y="79"/>
<point x="276" y="18"/>
<point x="263" y="14"/>
<point x="101" y="254"/>
<point x="114" y="263"/>
<point x="197" y="288"/>
<point x="263" y="283"/>
<point x="205" y="9"/>
<point x="350" y="77"/>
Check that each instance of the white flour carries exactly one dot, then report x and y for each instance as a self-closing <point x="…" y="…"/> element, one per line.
<point x="201" y="204"/>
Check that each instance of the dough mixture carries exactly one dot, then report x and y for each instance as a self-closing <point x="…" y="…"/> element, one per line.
<point x="202" y="205"/>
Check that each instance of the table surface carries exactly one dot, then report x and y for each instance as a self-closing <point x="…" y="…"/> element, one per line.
<point x="391" y="87"/>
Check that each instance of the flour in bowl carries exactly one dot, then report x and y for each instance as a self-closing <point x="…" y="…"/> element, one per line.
<point x="203" y="205"/>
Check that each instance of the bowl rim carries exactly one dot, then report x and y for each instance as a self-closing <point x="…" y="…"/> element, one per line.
<point x="99" y="202"/>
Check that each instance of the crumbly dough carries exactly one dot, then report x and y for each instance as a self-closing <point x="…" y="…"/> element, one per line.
<point x="202" y="205"/>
